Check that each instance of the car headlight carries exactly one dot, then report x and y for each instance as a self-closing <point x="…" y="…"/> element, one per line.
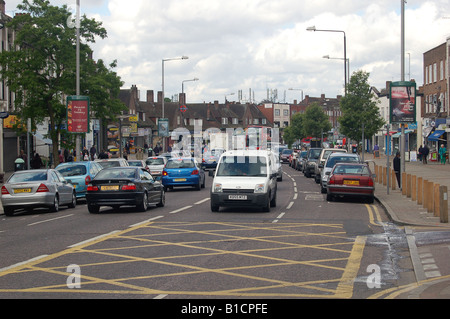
<point x="259" y="188"/>
<point x="217" y="188"/>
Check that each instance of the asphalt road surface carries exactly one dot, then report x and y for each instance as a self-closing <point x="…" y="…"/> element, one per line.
<point x="305" y="247"/>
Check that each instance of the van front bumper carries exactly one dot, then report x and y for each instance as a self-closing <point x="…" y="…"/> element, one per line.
<point x="239" y="199"/>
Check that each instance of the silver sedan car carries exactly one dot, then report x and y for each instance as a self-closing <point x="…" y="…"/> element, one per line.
<point x="37" y="188"/>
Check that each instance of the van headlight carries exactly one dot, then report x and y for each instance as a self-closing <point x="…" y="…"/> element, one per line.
<point x="217" y="188"/>
<point x="259" y="188"/>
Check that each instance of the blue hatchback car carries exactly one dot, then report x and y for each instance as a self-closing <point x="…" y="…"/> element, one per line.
<point x="79" y="174"/>
<point x="183" y="171"/>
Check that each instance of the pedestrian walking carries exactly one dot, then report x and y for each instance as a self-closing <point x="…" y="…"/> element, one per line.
<point x="397" y="166"/>
<point x="103" y="155"/>
<point x="420" y="153"/>
<point x="125" y="153"/>
<point x="139" y="154"/>
<point x="93" y="152"/>
<point x="36" y="162"/>
<point x="443" y="154"/>
<point x="425" y="151"/>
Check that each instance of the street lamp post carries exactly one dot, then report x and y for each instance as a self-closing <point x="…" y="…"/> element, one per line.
<point x="164" y="60"/>
<point x="226" y="97"/>
<point x="348" y="65"/>
<point x="313" y="28"/>
<point x="182" y="84"/>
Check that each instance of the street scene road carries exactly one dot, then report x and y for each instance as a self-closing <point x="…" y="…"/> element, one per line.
<point x="305" y="247"/>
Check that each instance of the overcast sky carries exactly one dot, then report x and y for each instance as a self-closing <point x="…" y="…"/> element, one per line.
<point x="261" y="44"/>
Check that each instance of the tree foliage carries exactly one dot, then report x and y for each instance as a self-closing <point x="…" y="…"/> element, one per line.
<point x="314" y="122"/>
<point x="41" y="66"/>
<point x="358" y="108"/>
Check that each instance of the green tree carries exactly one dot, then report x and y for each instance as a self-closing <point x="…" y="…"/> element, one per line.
<point x="315" y="121"/>
<point x="359" y="109"/>
<point x="41" y="67"/>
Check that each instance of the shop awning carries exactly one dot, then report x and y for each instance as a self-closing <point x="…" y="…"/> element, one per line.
<point x="436" y="136"/>
<point x="398" y="134"/>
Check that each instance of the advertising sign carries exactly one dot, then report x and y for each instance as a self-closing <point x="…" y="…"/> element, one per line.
<point x="403" y="102"/>
<point x="163" y="127"/>
<point x="78" y="114"/>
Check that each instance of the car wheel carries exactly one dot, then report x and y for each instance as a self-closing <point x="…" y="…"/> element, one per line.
<point x="73" y="204"/>
<point x="329" y="197"/>
<point x="55" y="207"/>
<point x="143" y="206"/>
<point x="370" y="199"/>
<point x="198" y="186"/>
<point x="93" y="209"/>
<point x="9" y="211"/>
<point x="162" y="199"/>
<point x="266" y="207"/>
<point x="273" y="202"/>
<point x="214" y="207"/>
<point x="204" y="182"/>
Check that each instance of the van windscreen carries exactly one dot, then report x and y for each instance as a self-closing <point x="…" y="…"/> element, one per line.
<point x="253" y="166"/>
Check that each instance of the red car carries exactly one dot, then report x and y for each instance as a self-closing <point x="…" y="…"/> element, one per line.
<point x="351" y="179"/>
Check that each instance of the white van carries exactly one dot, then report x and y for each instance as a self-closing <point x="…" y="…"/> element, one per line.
<point x="244" y="178"/>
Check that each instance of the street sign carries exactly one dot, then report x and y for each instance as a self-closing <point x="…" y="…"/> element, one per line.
<point x="163" y="127"/>
<point x="183" y="108"/>
<point x="78" y="114"/>
<point x="4" y="115"/>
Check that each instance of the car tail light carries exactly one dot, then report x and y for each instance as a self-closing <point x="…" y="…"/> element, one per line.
<point x="92" y="188"/>
<point x="129" y="187"/>
<point x="164" y="173"/>
<point x="370" y="182"/>
<point x="4" y="191"/>
<point x="331" y="181"/>
<point x="42" y="189"/>
<point x="194" y="172"/>
<point x="87" y="180"/>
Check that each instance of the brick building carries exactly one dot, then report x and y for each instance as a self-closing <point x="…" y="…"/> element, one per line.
<point x="435" y="106"/>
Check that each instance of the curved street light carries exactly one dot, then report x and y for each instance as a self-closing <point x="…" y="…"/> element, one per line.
<point x="313" y="28"/>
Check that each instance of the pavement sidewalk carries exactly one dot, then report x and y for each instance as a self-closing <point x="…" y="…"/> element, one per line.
<point x="404" y="211"/>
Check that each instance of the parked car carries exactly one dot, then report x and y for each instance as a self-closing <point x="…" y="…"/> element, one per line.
<point x="301" y="160"/>
<point x="244" y="178"/>
<point x="183" y="171"/>
<point x="79" y="174"/>
<point x="37" y="188"/>
<point x="284" y="157"/>
<point x="124" y="186"/>
<point x="321" y="161"/>
<point x="156" y="165"/>
<point x="311" y="161"/>
<point x="329" y="164"/>
<point x="351" y="179"/>
<point x="112" y="162"/>
<point x="276" y="164"/>
<point x="139" y="163"/>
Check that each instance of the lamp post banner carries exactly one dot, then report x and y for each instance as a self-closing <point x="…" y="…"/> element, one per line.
<point x="403" y="102"/>
<point x="78" y="114"/>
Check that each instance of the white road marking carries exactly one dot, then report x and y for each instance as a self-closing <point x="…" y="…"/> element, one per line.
<point x="22" y="263"/>
<point x="93" y="239"/>
<point x="49" y="220"/>
<point x="202" y="201"/>
<point x="180" y="209"/>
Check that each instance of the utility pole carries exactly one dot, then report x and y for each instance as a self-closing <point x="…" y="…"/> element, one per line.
<point x="402" y="138"/>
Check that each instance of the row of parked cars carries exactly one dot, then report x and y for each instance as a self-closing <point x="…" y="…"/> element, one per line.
<point x="338" y="172"/>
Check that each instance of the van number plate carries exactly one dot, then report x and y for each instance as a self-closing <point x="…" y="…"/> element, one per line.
<point x="237" y="197"/>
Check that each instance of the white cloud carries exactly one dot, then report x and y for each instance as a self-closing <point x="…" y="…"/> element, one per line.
<point x="259" y="44"/>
